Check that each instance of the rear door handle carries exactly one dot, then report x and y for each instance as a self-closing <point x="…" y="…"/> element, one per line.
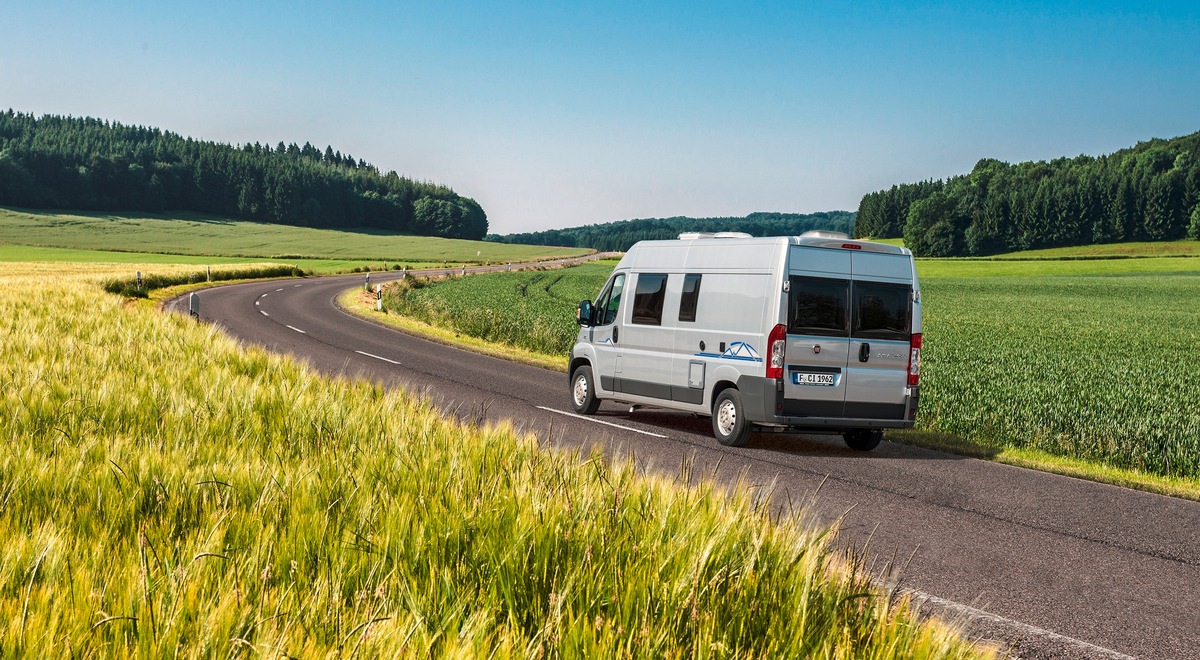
<point x="615" y="328"/>
<point x="864" y="352"/>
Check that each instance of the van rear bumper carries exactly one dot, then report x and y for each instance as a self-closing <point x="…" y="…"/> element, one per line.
<point x="762" y="399"/>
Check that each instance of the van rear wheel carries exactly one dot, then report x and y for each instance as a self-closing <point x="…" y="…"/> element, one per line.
<point x="862" y="440"/>
<point x="728" y="421"/>
<point x="583" y="391"/>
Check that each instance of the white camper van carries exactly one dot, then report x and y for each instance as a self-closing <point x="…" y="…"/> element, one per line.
<point x="815" y="333"/>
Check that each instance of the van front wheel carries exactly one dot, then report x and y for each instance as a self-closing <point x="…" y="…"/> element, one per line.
<point x="729" y="424"/>
<point x="862" y="440"/>
<point x="583" y="391"/>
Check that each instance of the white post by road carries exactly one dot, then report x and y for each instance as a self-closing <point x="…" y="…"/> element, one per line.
<point x="379" y="297"/>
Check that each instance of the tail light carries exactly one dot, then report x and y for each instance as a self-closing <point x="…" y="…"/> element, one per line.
<point x="914" y="361"/>
<point x="776" y="342"/>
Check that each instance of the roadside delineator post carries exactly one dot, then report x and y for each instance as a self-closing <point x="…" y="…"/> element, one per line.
<point x="367" y="286"/>
<point x="194" y="305"/>
<point x="404" y="273"/>
<point x="208" y="272"/>
<point x="139" y="280"/>
<point x="379" y="297"/>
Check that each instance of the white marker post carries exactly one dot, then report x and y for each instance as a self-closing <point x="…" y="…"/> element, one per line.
<point x="139" y="280"/>
<point x="404" y="273"/>
<point x="368" y="284"/>
<point x="379" y="297"/>
<point x="194" y="306"/>
<point x="208" y="272"/>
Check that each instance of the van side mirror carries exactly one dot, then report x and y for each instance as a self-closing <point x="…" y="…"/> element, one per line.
<point x="583" y="315"/>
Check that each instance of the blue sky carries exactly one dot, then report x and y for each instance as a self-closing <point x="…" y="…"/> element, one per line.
<point x="561" y="114"/>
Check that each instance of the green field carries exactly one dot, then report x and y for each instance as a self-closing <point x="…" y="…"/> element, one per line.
<point x="533" y="310"/>
<point x="1091" y="359"/>
<point x="166" y="492"/>
<point x="1132" y="249"/>
<point x="196" y="235"/>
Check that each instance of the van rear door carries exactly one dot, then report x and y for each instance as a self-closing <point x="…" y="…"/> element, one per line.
<point x="881" y="330"/>
<point x="818" y="332"/>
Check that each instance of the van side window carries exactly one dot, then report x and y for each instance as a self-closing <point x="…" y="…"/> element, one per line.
<point x="691" y="295"/>
<point x="648" y="299"/>
<point x="882" y="311"/>
<point x="609" y="301"/>
<point x="818" y="306"/>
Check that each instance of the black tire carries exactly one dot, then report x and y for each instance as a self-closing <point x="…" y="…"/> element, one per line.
<point x="728" y="421"/>
<point x="862" y="440"/>
<point x="583" y="391"/>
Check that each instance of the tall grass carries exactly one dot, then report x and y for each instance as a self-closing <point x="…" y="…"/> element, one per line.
<point x="165" y="492"/>
<point x="132" y="287"/>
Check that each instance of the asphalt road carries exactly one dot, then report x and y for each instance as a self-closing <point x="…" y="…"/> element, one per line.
<point x="1051" y="566"/>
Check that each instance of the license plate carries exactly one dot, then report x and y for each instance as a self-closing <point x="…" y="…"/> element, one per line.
<point x="823" y="380"/>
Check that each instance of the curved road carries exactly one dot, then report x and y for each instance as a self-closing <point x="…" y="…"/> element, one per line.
<point x="1051" y="566"/>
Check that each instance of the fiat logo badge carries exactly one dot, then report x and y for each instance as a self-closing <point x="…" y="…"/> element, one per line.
<point x="816" y="349"/>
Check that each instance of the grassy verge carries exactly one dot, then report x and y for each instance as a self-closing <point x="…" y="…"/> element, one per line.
<point x="1035" y="459"/>
<point x="165" y="492"/>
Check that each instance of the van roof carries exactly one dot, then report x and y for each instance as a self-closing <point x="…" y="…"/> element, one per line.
<point x="821" y="239"/>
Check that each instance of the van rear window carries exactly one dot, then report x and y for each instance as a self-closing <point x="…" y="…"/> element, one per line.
<point x="648" y="299"/>
<point x="882" y="311"/>
<point x="818" y="306"/>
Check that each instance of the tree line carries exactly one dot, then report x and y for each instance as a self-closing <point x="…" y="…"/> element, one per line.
<point x="619" y="236"/>
<point x="1149" y="192"/>
<point x="86" y="164"/>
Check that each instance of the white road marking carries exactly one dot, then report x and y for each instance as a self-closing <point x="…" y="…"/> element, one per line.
<point x="297" y="329"/>
<point x="297" y="286"/>
<point x="276" y="290"/>
<point x="974" y="613"/>
<point x="370" y="355"/>
<point x="599" y="421"/>
<point x="257" y="302"/>
<point x="263" y="313"/>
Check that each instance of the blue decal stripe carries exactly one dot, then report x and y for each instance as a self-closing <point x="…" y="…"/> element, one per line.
<point x="718" y="356"/>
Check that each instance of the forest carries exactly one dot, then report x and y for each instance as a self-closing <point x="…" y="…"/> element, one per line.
<point x="1149" y="192"/>
<point x="618" y="236"/>
<point x="86" y="164"/>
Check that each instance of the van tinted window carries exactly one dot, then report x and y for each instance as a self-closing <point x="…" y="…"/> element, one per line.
<point x="882" y="311"/>
<point x="609" y="301"/>
<point x="648" y="299"/>
<point x="691" y="295"/>
<point x="818" y="306"/>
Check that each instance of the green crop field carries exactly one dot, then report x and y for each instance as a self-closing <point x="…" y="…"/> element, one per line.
<point x="533" y="310"/>
<point x="166" y="492"/>
<point x="197" y="235"/>
<point x="1092" y="359"/>
<point x="1133" y="249"/>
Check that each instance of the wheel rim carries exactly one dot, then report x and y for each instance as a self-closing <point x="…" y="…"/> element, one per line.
<point x="726" y="417"/>
<point x="580" y="390"/>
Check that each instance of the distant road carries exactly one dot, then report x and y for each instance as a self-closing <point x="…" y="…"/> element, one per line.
<point x="1053" y="566"/>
